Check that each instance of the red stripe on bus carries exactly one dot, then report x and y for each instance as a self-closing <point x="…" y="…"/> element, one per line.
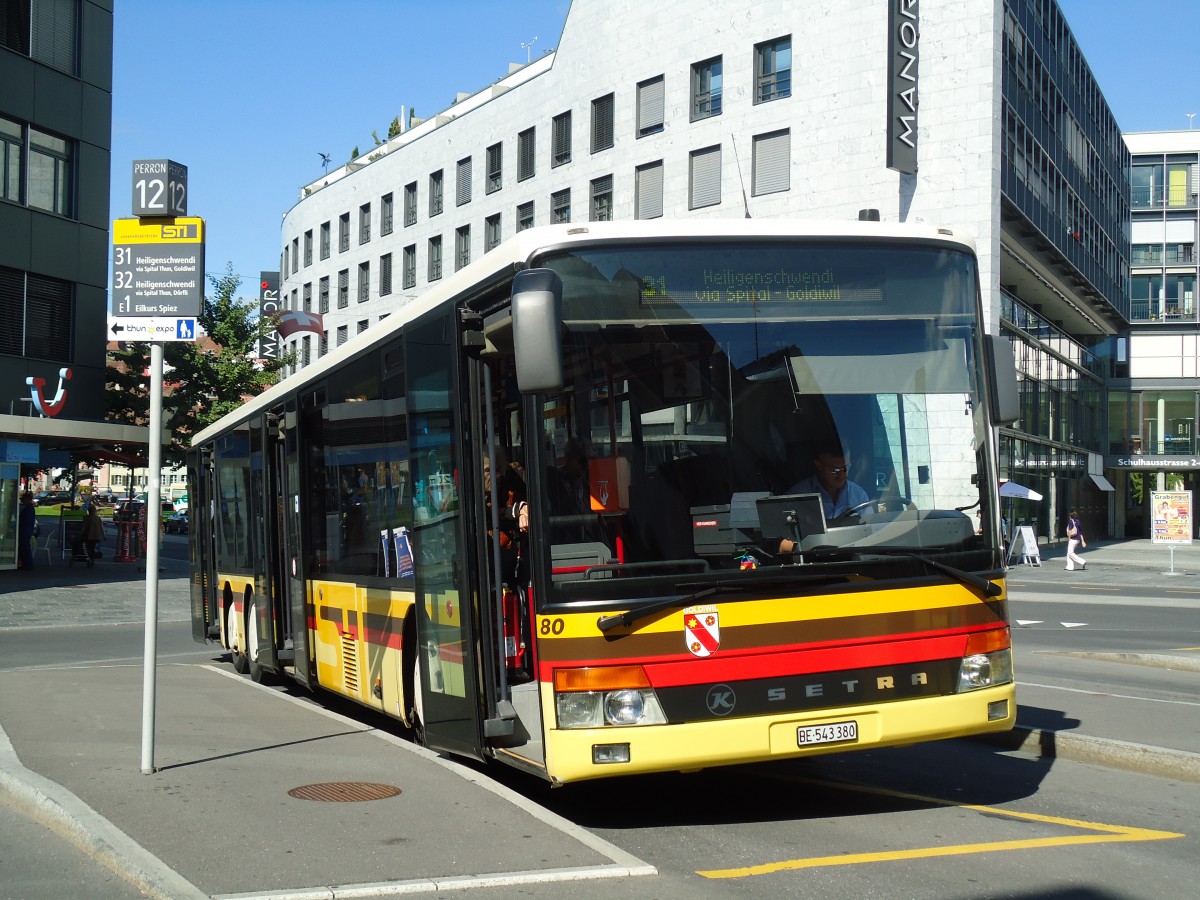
<point x="773" y="662"/>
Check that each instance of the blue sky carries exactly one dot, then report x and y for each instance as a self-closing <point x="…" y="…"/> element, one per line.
<point x="248" y="93"/>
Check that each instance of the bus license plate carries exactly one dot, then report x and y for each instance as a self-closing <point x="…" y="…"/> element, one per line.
<point x="829" y="733"/>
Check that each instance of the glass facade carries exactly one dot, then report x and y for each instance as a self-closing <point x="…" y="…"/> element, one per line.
<point x="1166" y="215"/>
<point x="1061" y="386"/>
<point x="1065" y="166"/>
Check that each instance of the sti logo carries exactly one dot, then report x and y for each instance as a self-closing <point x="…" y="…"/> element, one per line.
<point x="181" y="232"/>
<point x="40" y="403"/>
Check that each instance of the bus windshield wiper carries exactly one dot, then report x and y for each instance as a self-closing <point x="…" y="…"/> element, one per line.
<point x="731" y="585"/>
<point x="608" y="623"/>
<point x="989" y="588"/>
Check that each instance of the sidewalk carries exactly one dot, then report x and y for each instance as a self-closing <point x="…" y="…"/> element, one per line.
<point x="1137" y="562"/>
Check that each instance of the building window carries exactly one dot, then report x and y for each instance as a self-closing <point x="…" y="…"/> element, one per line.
<point x="364" y="223"/>
<point x="323" y="295"/>
<point x="305" y="351"/>
<point x="295" y="255"/>
<point x="343" y="299"/>
<point x="560" y="207"/>
<point x="308" y="296"/>
<point x="706" y="88"/>
<point x="11" y="142"/>
<point x="385" y="214"/>
<point x="602" y="199"/>
<point x="773" y="70"/>
<point x="308" y="248"/>
<point x="363" y="324"/>
<point x="324" y="240"/>
<point x="650" y="104"/>
<point x="385" y="274"/>
<point x="525" y="160"/>
<point x="435" y="193"/>
<point x="343" y="332"/>
<point x="462" y="247"/>
<point x="343" y="232"/>
<point x="435" y="258"/>
<point x="525" y="216"/>
<point x="648" y="191"/>
<point x="47" y="31"/>
<point x="38" y="314"/>
<point x="410" y="267"/>
<point x="491" y="232"/>
<point x="495" y="162"/>
<point x="364" y="282"/>
<point x="410" y="204"/>
<point x="771" y="162"/>
<point x="561" y="140"/>
<point x="324" y="346"/>
<point x="462" y="193"/>
<point x="602" y="123"/>
<point x="704" y="179"/>
<point x="48" y="172"/>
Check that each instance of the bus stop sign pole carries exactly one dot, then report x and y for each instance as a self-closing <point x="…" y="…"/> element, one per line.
<point x="153" y="526"/>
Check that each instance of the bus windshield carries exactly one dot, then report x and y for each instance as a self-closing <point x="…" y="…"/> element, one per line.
<point x="738" y="408"/>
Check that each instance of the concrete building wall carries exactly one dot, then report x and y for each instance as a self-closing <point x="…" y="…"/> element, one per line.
<point x="836" y="116"/>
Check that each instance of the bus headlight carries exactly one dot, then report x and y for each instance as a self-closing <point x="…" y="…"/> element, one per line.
<point x="581" y="710"/>
<point x="594" y="709"/>
<point x="983" y="670"/>
<point x="596" y="696"/>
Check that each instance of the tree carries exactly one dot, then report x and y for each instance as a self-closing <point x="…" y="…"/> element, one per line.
<point x="203" y="380"/>
<point x="394" y="128"/>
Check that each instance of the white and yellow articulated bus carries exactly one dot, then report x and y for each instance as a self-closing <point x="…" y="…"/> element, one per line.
<point x="759" y="465"/>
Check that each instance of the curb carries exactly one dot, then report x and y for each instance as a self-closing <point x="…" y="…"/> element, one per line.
<point x="1141" y="758"/>
<point x="77" y="823"/>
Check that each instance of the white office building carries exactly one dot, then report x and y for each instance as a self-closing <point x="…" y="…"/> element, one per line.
<point x="767" y="108"/>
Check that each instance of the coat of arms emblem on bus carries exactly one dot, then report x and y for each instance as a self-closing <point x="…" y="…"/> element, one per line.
<point x="702" y="631"/>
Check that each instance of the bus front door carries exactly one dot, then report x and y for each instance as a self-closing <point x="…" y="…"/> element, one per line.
<point x="446" y="610"/>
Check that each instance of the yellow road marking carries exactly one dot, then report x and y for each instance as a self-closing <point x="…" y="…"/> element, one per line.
<point x="1109" y="834"/>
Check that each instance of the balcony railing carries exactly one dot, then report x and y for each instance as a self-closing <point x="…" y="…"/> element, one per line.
<point x="1162" y="310"/>
<point x="1142" y="197"/>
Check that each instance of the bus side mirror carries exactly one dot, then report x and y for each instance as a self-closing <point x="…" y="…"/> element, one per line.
<point x="537" y="330"/>
<point x="1002" y="373"/>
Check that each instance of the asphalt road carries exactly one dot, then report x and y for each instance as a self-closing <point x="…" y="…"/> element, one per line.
<point x="954" y="819"/>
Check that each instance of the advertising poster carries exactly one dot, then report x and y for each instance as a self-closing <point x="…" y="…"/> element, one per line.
<point x="1171" y="517"/>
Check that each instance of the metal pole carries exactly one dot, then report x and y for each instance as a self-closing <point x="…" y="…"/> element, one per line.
<point x="153" y="526"/>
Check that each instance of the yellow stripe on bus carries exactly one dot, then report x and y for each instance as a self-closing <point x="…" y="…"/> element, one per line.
<point x="818" y="607"/>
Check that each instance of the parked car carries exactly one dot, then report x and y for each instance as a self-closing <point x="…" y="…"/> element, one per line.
<point x="52" y="498"/>
<point x="130" y="510"/>
<point x="177" y="524"/>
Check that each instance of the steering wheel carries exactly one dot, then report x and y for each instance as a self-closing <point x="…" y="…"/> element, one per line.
<point x="901" y="502"/>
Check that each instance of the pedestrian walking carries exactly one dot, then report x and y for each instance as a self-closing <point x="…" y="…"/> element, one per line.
<point x="92" y="534"/>
<point x="1074" y="539"/>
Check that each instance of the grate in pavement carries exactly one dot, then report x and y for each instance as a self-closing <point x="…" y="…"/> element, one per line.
<point x="344" y="791"/>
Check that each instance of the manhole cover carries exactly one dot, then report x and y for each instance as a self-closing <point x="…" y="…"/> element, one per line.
<point x="344" y="791"/>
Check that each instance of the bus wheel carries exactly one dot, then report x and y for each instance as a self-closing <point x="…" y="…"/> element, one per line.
<point x="240" y="664"/>
<point x="257" y="673"/>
